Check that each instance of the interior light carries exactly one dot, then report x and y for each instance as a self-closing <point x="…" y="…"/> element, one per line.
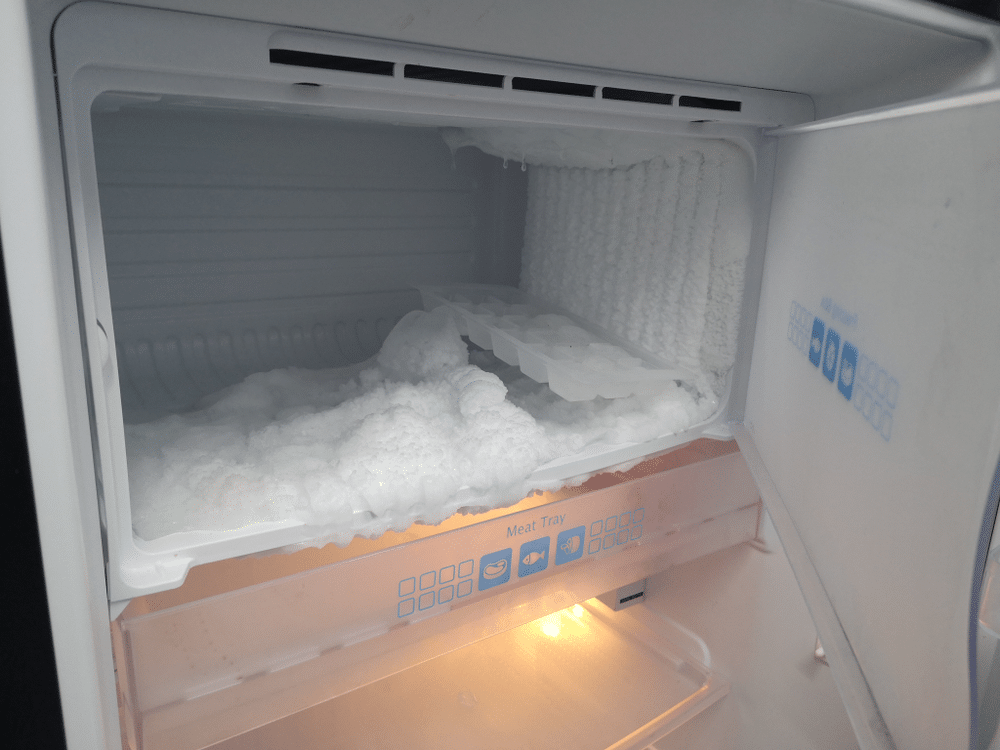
<point x="551" y="629"/>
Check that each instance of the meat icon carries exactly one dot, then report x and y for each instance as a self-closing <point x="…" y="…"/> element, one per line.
<point x="570" y="546"/>
<point x="495" y="569"/>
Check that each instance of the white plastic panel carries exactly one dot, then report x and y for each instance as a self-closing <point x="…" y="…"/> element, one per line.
<point x="874" y="401"/>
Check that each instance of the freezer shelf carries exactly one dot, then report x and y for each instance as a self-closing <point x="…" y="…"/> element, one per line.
<point x="579" y="360"/>
<point x="201" y="671"/>
<point x="583" y="678"/>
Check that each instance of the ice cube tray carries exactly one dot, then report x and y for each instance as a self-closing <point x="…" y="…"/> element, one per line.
<point x="579" y="360"/>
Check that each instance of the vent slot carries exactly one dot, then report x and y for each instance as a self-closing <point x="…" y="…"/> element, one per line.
<point x="450" y="75"/>
<point x="331" y="62"/>
<point x="632" y="95"/>
<point x="722" y="105"/>
<point x="544" y="86"/>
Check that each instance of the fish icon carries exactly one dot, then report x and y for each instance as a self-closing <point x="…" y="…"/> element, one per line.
<point x="571" y="545"/>
<point x="532" y="557"/>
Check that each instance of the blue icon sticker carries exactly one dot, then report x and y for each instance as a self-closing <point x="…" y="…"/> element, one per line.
<point x="848" y="370"/>
<point x="638" y="514"/>
<point x="816" y="341"/>
<point x="594" y="545"/>
<point x="464" y="587"/>
<point x="407" y="586"/>
<point x="569" y="545"/>
<point x="494" y="569"/>
<point x="533" y="557"/>
<point x="405" y="608"/>
<point x="831" y="351"/>
<point x="427" y="580"/>
<point x="596" y="528"/>
<point x="447" y="575"/>
<point x="465" y="568"/>
<point x="446" y="594"/>
<point x="426" y="601"/>
<point x="858" y="378"/>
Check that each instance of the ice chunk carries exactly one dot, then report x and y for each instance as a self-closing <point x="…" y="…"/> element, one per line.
<point x="423" y="345"/>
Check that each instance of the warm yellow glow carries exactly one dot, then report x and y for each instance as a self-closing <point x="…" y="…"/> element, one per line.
<point x="551" y="629"/>
<point x="566" y="622"/>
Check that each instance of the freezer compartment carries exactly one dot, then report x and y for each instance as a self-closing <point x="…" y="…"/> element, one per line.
<point x="198" y="671"/>
<point x="584" y="677"/>
<point x="242" y="257"/>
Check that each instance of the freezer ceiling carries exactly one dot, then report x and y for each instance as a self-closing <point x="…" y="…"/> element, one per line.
<point x="846" y="55"/>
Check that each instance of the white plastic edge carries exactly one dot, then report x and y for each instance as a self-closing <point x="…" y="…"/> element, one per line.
<point x="938" y="103"/>
<point x="865" y="717"/>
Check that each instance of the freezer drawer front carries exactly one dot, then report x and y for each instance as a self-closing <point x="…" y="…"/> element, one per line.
<point x="873" y="396"/>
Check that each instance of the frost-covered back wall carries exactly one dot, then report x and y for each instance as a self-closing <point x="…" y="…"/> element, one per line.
<point x="647" y="237"/>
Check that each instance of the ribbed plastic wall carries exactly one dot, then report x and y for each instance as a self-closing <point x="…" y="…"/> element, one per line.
<point x="239" y="243"/>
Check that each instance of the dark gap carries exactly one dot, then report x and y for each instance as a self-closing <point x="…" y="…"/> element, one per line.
<point x="631" y="95"/>
<point x="29" y="662"/>
<point x="543" y="86"/>
<point x="630" y="598"/>
<point x="331" y="62"/>
<point x="448" y="75"/>
<point x="723" y="105"/>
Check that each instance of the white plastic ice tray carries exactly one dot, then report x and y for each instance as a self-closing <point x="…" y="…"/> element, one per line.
<point x="578" y="359"/>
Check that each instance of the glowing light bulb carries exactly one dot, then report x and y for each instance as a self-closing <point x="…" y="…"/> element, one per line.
<point x="577" y="610"/>
<point x="551" y="629"/>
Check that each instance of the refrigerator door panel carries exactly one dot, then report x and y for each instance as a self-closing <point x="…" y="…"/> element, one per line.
<point x="872" y="409"/>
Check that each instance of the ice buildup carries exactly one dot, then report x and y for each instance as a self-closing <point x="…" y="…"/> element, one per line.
<point x="414" y="435"/>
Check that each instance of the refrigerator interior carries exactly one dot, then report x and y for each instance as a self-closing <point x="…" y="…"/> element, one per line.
<point x="156" y="262"/>
<point x="233" y="245"/>
<point x="204" y="257"/>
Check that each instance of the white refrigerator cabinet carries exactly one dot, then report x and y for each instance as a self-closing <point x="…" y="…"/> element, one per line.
<point x="863" y="396"/>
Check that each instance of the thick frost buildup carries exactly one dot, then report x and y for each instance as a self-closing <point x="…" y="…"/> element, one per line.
<point x="654" y="252"/>
<point x="415" y="435"/>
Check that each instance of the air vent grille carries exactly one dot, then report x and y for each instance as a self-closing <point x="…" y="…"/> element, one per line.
<point x="450" y="75"/>
<point x="331" y="62"/>
<point x="720" y="105"/>
<point x="545" y="86"/>
<point x="458" y="76"/>
<point x="632" y="95"/>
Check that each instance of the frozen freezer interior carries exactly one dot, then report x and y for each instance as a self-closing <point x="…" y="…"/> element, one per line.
<point x="280" y="251"/>
<point x="244" y="252"/>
